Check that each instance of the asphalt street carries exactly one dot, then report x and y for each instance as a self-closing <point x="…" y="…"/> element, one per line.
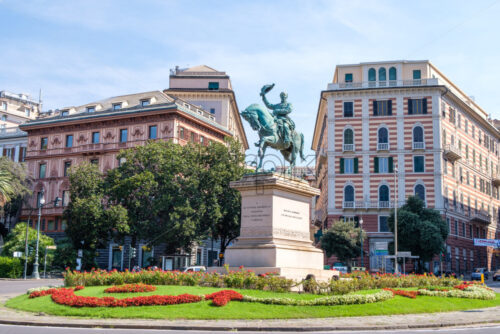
<point x="5" y="329"/>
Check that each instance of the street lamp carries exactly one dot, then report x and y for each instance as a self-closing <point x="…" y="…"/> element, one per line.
<point x="361" y="237"/>
<point x="41" y="202"/>
<point x="396" y="271"/>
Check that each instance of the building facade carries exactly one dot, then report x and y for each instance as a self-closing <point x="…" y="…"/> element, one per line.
<point x="388" y="130"/>
<point x="96" y="132"/>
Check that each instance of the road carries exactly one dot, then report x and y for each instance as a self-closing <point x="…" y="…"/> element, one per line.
<point x="4" y="329"/>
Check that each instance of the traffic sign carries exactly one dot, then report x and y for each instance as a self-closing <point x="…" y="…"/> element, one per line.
<point x="404" y="254"/>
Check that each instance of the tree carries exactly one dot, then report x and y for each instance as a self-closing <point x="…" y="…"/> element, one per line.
<point x="343" y="240"/>
<point x="420" y="230"/>
<point x="92" y="219"/>
<point x="15" y="242"/>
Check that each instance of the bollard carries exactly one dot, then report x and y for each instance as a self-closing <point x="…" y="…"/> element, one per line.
<point x="482" y="279"/>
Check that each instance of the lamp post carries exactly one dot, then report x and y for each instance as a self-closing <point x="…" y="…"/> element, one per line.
<point x="361" y="237"/>
<point x="41" y="202"/>
<point x="396" y="271"/>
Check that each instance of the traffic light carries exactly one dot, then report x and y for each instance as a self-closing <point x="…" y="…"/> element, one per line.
<point x="133" y="251"/>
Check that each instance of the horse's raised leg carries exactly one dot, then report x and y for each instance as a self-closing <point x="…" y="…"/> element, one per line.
<point x="262" y="152"/>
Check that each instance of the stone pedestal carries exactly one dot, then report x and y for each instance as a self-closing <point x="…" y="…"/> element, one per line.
<point x="275" y="228"/>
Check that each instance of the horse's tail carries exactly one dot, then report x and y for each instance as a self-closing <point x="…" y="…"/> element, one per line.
<point x="301" y="151"/>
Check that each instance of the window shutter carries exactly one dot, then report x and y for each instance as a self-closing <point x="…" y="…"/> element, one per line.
<point x="375" y="161"/>
<point x="410" y="106"/>
<point x="355" y="165"/>
<point x="389" y="107"/>
<point x="341" y="165"/>
<point x="375" y="111"/>
<point x="424" y="106"/>
<point x="391" y="165"/>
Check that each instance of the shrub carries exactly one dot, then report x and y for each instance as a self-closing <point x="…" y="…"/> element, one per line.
<point x="129" y="288"/>
<point x="10" y="267"/>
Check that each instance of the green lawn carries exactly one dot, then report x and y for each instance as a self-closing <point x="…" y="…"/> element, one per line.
<point x="243" y="310"/>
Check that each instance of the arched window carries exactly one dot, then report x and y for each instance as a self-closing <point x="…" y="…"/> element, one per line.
<point x="383" y="136"/>
<point x="420" y="191"/>
<point x="348" y="136"/>
<point x="392" y="74"/>
<point x="383" y="196"/>
<point x="349" y="193"/>
<point x="418" y="134"/>
<point x="372" y="74"/>
<point x="382" y="74"/>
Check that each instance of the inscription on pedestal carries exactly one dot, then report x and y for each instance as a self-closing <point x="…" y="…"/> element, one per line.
<point x="256" y="213"/>
<point x="292" y="214"/>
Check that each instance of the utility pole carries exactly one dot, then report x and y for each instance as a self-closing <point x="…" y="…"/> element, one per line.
<point x="396" y="271"/>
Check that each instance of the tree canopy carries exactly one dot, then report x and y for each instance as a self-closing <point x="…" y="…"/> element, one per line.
<point x="420" y="230"/>
<point x="343" y="240"/>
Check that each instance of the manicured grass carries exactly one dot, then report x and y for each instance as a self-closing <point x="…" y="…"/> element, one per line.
<point x="243" y="310"/>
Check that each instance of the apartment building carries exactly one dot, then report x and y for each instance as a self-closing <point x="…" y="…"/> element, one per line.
<point x="96" y="132"/>
<point x="388" y="130"/>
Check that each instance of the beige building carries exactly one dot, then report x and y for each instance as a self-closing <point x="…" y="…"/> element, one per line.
<point x="16" y="109"/>
<point x="387" y="130"/>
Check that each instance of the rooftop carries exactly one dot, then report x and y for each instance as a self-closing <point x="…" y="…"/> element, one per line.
<point x="199" y="70"/>
<point x="22" y="97"/>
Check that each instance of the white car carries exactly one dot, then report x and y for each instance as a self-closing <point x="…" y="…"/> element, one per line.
<point x="194" y="269"/>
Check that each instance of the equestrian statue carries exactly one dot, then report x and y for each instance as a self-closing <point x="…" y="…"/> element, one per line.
<point x="275" y="129"/>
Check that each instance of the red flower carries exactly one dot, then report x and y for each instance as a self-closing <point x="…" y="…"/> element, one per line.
<point x="221" y="298"/>
<point x="404" y="293"/>
<point x="130" y="288"/>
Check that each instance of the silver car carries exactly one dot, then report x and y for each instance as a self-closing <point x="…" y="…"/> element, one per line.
<point x="477" y="272"/>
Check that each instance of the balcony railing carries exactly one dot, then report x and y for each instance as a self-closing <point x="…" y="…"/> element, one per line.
<point x="389" y="83"/>
<point x="452" y="152"/>
<point x="481" y="217"/>
<point x="383" y="147"/>
<point x="349" y="205"/>
<point x="418" y="145"/>
<point x="349" y="147"/>
<point x="495" y="179"/>
<point x="384" y="204"/>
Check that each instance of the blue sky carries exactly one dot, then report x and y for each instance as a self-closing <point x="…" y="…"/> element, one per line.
<point x="80" y="51"/>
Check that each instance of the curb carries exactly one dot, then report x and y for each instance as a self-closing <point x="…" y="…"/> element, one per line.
<point x="247" y="328"/>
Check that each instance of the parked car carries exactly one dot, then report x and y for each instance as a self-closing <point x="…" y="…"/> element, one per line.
<point x="194" y="268"/>
<point x="340" y="267"/>
<point x="496" y="275"/>
<point x="477" y="272"/>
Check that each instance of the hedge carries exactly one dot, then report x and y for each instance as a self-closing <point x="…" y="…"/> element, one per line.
<point x="10" y="267"/>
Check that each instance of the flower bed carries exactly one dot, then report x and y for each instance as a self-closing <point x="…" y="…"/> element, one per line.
<point x="405" y="293"/>
<point x="130" y="288"/>
<point x="221" y="298"/>
<point x="471" y="291"/>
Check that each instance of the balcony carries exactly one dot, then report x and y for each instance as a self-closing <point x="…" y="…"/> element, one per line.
<point x="418" y="146"/>
<point x="383" y="147"/>
<point x="480" y="217"/>
<point x="383" y="84"/>
<point x="495" y="179"/>
<point x="384" y="204"/>
<point x="348" y="205"/>
<point x="452" y="153"/>
<point x="348" y="148"/>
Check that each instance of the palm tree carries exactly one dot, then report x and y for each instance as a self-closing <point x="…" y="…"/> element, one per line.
<point x="6" y="188"/>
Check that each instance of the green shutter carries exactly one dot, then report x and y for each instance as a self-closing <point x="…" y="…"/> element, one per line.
<point x="391" y="165"/>
<point x="375" y="112"/>
<point x="410" y="106"/>
<point x="355" y="165"/>
<point x="375" y="162"/>
<point x="389" y="107"/>
<point x="424" y="106"/>
<point x="341" y="165"/>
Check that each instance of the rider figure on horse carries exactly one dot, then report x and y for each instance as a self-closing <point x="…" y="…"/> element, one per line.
<point x="280" y="113"/>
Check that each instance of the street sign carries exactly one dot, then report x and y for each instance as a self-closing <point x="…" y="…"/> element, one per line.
<point x="487" y="242"/>
<point x="80" y="253"/>
<point x="381" y="245"/>
<point x="404" y="254"/>
<point x="52" y="247"/>
<point x="17" y="254"/>
<point x="379" y="252"/>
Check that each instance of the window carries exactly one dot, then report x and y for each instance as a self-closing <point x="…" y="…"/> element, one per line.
<point x="392" y="74"/>
<point x="50" y="225"/>
<point x="69" y="141"/>
<point x="466" y="126"/>
<point x="65" y="198"/>
<point x="418" y="164"/>
<point x="382" y="74"/>
<point x="349" y="194"/>
<point x="348" y="109"/>
<point x="44" y="142"/>
<point x="3" y="105"/>
<point x="383" y="136"/>
<point x="4" y="118"/>
<point x="65" y="112"/>
<point x="383" y="165"/>
<point x="193" y="137"/>
<point x="212" y="111"/>
<point x="382" y="108"/>
<point x="91" y="109"/>
<point x="27" y="112"/>
<point x="202" y="140"/>
<point x="153" y="132"/>
<point x="348" y="137"/>
<point x="418" y="134"/>
<point x="349" y="166"/>
<point x="463" y="229"/>
<point x="181" y="133"/>
<point x="94" y="161"/>
<point x="456" y="227"/>
<point x="41" y="171"/>
<point x="121" y="161"/>
<point x="383" y="196"/>
<point x="67" y="165"/>
<point x="95" y="137"/>
<point x="420" y="191"/>
<point x="348" y="77"/>
<point x="417" y="106"/>
<point x="117" y="106"/>
<point x="466" y="152"/>
<point x="145" y="103"/>
<point x="473" y="131"/>
<point x="383" y="225"/>
<point x="417" y="74"/>
<point x="372" y="74"/>
<point x="213" y="86"/>
<point x="123" y="135"/>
